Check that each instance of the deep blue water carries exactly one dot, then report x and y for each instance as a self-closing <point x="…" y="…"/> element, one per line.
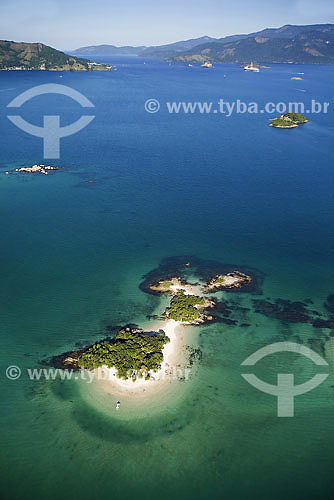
<point x="73" y="253"/>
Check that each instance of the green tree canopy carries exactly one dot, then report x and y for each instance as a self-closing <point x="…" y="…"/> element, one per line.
<point x="129" y="352"/>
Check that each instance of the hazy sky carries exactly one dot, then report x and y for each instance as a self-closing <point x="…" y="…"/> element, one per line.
<point x="68" y="24"/>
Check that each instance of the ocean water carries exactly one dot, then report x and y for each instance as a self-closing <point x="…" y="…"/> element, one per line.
<point x="135" y="188"/>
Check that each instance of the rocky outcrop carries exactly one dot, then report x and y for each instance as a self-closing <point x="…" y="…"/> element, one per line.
<point x="41" y="169"/>
<point x="235" y="279"/>
<point x="164" y="286"/>
<point x="35" y="169"/>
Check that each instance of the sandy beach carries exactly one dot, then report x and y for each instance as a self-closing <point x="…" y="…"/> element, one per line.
<point x="172" y="357"/>
<point x="188" y="289"/>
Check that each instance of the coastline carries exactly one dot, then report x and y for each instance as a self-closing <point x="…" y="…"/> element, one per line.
<point x="172" y="358"/>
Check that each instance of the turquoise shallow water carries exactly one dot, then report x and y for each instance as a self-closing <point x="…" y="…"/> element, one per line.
<point x="73" y="254"/>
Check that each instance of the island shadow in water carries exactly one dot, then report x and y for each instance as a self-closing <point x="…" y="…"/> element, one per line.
<point x="106" y="428"/>
<point x="185" y="265"/>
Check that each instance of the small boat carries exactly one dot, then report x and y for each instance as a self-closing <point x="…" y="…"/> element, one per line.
<point x="190" y="65"/>
<point x="206" y="65"/>
<point x="118" y="405"/>
<point x="251" y="67"/>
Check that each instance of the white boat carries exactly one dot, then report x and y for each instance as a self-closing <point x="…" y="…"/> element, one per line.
<point x="251" y="67"/>
<point x="206" y="65"/>
<point x="118" y="405"/>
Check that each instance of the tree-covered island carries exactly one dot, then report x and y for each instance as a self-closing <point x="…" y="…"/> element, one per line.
<point x="133" y="353"/>
<point x="288" y="120"/>
<point x="188" y="308"/>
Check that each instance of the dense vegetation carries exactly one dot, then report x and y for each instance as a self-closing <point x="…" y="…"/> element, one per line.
<point x="288" y="120"/>
<point x="302" y="46"/>
<point x="280" y="122"/>
<point x="40" y="56"/>
<point x="182" y="307"/>
<point x="130" y="352"/>
<point x="166" y="284"/>
<point x="296" y="117"/>
<point x="218" y="280"/>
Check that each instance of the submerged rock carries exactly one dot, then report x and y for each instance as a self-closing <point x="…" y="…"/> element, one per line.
<point x="286" y="310"/>
<point x="329" y="304"/>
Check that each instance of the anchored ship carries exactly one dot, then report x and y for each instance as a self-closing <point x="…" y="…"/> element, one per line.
<point x="207" y="65"/>
<point x="251" y="67"/>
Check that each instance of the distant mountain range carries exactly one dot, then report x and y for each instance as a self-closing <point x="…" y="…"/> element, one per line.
<point x="108" y="50"/>
<point x="172" y="49"/>
<point x="19" y="55"/>
<point x="154" y="51"/>
<point x="289" y="44"/>
<point x="310" y="44"/>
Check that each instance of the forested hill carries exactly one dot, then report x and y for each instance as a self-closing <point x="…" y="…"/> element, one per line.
<point x="19" y="55"/>
<point x="306" y="47"/>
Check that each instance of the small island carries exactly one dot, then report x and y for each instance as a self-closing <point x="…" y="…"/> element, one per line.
<point x="134" y="360"/>
<point x="289" y="120"/>
<point x="35" y="169"/>
<point x="231" y="280"/>
<point x="189" y="308"/>
<point x="132" y="353"/>
<point x="235" y="279"/>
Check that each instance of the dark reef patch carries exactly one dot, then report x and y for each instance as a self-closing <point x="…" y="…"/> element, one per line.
<point x="195" y="355"/>
<point x="114" y="329"/>
<point x="62" y="361"/>
<point x="231" y="313"/>
<point x="228" y="321"/>
<point x="285" y="310"/>
<point x="318" y="345"/>
<point x="224" y="308"/>
<point x="293" y="312"/>
<point x="323" y="323"/>
<point x="329" y="304"/>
